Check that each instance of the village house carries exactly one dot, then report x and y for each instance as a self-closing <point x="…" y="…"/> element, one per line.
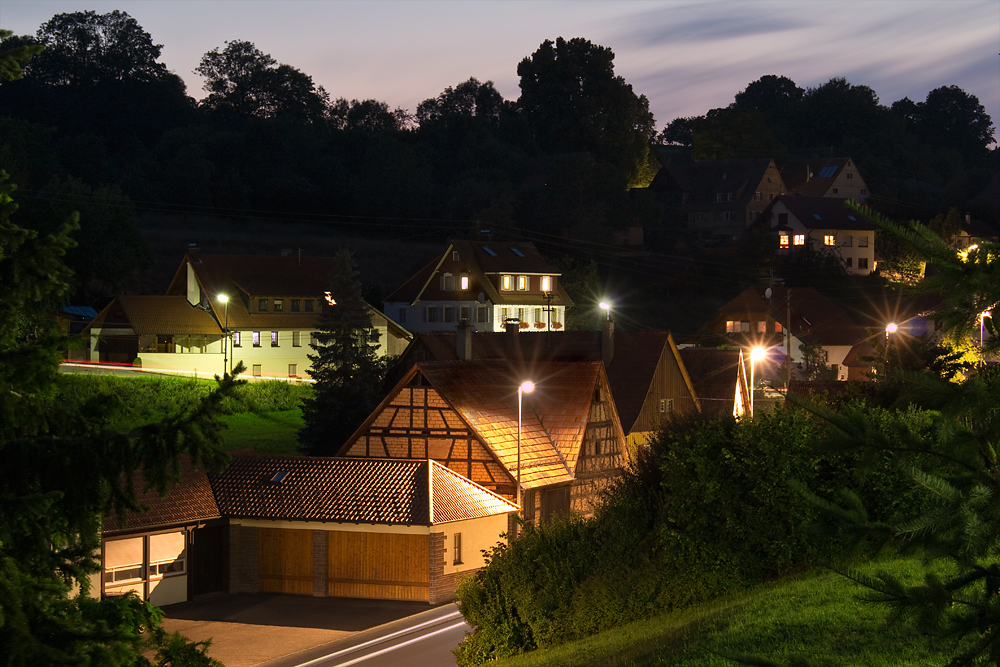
<point x="271" y="310"/>
<point x="563" y="440"/>
<point x="486" y="283"/>
<point x="837" y="177"/>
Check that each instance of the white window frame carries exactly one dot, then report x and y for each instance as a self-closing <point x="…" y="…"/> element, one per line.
<point x="799" y="239"/>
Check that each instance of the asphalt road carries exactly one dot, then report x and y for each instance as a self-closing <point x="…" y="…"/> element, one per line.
<point x="421" y="640"/>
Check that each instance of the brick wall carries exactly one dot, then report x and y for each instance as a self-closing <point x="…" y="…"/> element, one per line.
<point x="320" y="562"/>
<point x="436" y="565"/>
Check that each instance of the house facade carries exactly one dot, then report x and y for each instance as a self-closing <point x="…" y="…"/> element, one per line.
<point x="486" y="284"/>
<point x="273" y="306"/>
<point x="838" y="178"/>
<point x="360" y="528"/>
<point x="823" y="225"/>
<point x="718" y="199"/>
<point x="566" y="444"/>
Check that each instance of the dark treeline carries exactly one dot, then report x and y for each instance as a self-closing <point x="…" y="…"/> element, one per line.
<point x="98" y="124"/>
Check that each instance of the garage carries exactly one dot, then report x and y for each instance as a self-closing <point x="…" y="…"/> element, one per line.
<point x="378" y="566"/>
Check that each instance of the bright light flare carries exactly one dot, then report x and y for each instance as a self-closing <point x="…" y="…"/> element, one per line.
<point x="527" y="387"/>
<point x="223" y="298"/>
<point x="891" y="328"/>
<point x="758" y="354"/>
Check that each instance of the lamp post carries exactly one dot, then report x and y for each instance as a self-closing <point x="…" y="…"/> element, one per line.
<point x="756" y="354"/>
<point x="225" y="336"/>
<point x="890" y="328"/>
<point x="982" y="315"/>
<point x="525" y="387"/>
<point x="606" y="306"/>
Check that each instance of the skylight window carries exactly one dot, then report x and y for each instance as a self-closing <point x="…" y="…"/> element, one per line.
<point x="827" y="172"/>
<point x="489" y="252"/>
<point x="816" y="215"/>
<point x="516" y="251"/>
<point x="279" y="477"/>
<point x="852" y="218"/>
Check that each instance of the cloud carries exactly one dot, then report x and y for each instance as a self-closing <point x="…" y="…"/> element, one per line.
<point x="700" y="22"/>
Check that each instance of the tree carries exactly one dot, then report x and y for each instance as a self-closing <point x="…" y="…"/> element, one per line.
<point x="72" y="470"/>
<point x="346" y="366"/>
<point x="573" y="101"/>
<point x="816" y="366"/>
<point x="725" y="134"/>
<point x="13" y="54"/>
<point x="467" y="101"/>
<point x="952" y="118"/>
<point x="954" y="463"/>
<point x="243" y="81"/>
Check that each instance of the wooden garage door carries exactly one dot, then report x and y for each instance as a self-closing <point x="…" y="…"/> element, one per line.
<point x="285" y="561"/>
<point x="379" y="566"/>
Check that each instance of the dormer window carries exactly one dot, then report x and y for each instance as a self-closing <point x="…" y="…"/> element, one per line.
<point x="278" y="303"/>
<point x="262" y="305"/>
<point x="522" y="283"/>
<point x="507" y="283"/>
<point x="309" y="305"/>
<point x="295" y="305"/>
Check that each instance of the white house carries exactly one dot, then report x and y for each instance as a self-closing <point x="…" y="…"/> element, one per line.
<point x="823" y="224"/>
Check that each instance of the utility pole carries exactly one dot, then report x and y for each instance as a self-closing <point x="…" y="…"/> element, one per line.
<point x="788" y="339"/>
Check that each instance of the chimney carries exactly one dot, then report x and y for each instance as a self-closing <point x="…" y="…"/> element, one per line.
<point x="463" y="341"/>
<point x="607" y="342"/>
<point x="512" y="328"/>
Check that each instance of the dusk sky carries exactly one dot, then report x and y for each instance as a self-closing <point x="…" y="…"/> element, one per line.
<point x="686" y="57"/>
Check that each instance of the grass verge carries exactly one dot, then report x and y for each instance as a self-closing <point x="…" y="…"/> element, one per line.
<point x="819" y="616"/>
<point x="268" y="433"/>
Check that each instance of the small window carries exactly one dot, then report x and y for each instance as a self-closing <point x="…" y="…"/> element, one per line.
<point x="850" y="175"/>
<point x="783" y="241"/>
<point x="449" y="314"/>
<point x="236" y="338"/>
<point x="849" y="262"/>
<point x="835" y="191"/>
<point x="295" y="305"/>
<point x="829" y="239"/>
<point x="447" y="282"/>
<point x="732" y="326"/>
<point x="431" y="314"/>
<point x="292" y="370"/>
<point x="256" y="339"/>
<point x="663" y="405"/>
<point x="504" y="315"/>
<point x="863" y="263"/>
<point x="729" y="196"/>
<point x="777" y="327"/>
<point x="464" y="282"/>
<point x="863" y="191"/>
<point x="719" y="197"/>
<point x="481" y="314"/>
<point x="454" y="255"/>
<point x="256" y="370"/>
<point x="278" y="303"/>
<point x="463" y="314"/>
<point x="800" y="239"/>
<point x="770" y="196"/>
<point x="313" y="339"/>
<point x="757" y="196"/>
<point x="262" y="304"/>
<point x="726" y="216"/>
<point x="457" y="549"/>
<point x="309" y="305"/>
<point x="862" y="241"/>
<point x="296" y="339"/>
<point x="848" y="241"/>
<point x="546" y="283"/>
<point x="520" y="314"/>
<point x="762" y="326"/>
<point x="745" y="327"/>
<point x="506" y="282"/>
<point x="522" y="283"/>
<point x="274" y="339"/>
<point x="538" y="315"/>
<point x="488" y="251"/>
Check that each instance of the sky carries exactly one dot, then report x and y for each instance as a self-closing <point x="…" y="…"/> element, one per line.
<point x="685" y="56"/>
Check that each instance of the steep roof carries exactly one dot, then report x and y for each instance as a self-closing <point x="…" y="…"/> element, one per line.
<point x="715" y="374"/>
<point x="812" y="178"/>
<point x="188" y="501"/>
<point x="825" y="213"/>
<point x="351" y="490"/>
<point x="630" y="374"/>
<point x="702" y="180"/>
<point x="151" y="315"/>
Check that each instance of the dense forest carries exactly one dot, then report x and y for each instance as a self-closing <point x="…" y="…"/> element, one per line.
<point x="99" y="125"/>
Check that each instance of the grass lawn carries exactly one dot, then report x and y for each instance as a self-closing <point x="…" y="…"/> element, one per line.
<point x="817" y="616"/>
<point x="268" y="433"/>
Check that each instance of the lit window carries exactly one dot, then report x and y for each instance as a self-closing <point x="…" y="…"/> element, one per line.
<point x="262" y="304"/>
<point x="278" y="303"/>
<point x="800" y="239"/>
<point x="274" y="339"/>
<point x="522" y="283"/>
<point x="783" y="241"/>
<point x="465" y="282"/>
<point x="538" y="314"/>
<point x="292" y="370"/>
<point x="520" y="314"/>
<point x="505" y="282"/>
<point x="504" y="314"/>
<point x="762" y="327"/>
<point x="663" y="405"/>
<point x="296" y="339"/>
<point x="256" y="370"/>
<point x="236" y="338"/>
<point x="546" y="284"/>
<point x="777" y="327"/>
<point x="256" y="338"/>
<point x="732" y="327"/>
<point x="829" y="239"/>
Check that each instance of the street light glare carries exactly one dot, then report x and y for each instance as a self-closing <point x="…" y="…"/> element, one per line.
<point x="605" y="305"/>
<point x="757" y="353"/>
<point x="223" y="298"/>
<point x="527" y="386"/>
<point x="891" y="328"/>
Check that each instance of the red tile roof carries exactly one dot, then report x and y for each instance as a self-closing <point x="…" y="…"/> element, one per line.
<point x="814" y="318"/>
<point x="825" y="213"/>
<point x="351" y="490"/>
<point x="188" y="501"/>
<point x="152" y="315"/>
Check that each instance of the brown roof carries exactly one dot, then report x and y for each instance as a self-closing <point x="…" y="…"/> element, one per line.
<point x="630" y="374"/>
<point x="188" y="501"/>
<point x="714" y="373"/>
<point x="702" y="180"/>
<point x="825" y="213"/>
<point x="351" y="490"/>
<point x="812" y="178"/>
<point x="151" y="315"/>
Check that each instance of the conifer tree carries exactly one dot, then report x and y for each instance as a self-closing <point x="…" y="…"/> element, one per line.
<point x="346" y="365"/>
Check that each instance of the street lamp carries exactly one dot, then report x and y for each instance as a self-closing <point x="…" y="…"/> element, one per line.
<point x="606" y="306"/>
<point x="225" y="336"/>
<point x="525" y="387"/>
<point x="890" y="328"/>
<point x="756" y="354"/>
<point x="982" y="315"/>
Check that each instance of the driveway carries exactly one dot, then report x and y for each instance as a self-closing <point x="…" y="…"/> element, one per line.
<point x="253" y="629"/>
